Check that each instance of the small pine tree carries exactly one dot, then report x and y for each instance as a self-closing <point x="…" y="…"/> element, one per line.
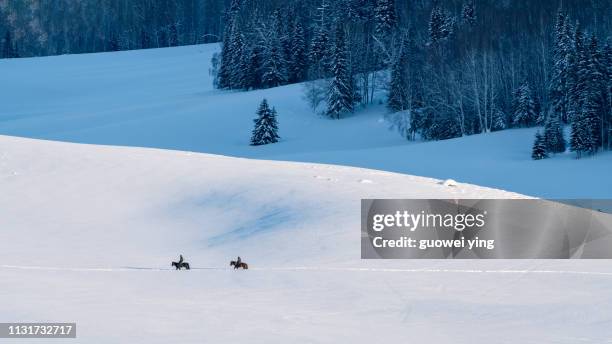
<point x="539" y="148"/>
<point x="499" y="120"/>
<point x="266" y="126"/>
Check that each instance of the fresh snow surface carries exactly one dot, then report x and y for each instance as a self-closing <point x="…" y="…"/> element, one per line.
<point x="163" y="98"/>
<point x="88" y="233"/>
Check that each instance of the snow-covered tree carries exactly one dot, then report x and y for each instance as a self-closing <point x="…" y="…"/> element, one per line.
<point x="440" y="25"/>
<point x="299" y="62"/>
<point x="524" y="112"/>
<point x="398" y="86"/>
<point x="468" y="13"/>
<point x="553" y="134"/>
<point x="539" y="148"/>
<point x="266" y="126"/>
<point x="558" y="88"/>
<point x="340" y="93"/>
<point x="385" y="17"/>
<point x="499" y="120"/>
<point x="237" y="58"/>
<point x="274" y="64"/>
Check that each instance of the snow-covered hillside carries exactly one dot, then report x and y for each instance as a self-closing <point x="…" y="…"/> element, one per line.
<point x="164" y="98"/>
<point x="87" y="234"/>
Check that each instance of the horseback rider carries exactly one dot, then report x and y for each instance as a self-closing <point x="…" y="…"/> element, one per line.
<point x="180" y="260"/>
<point x="238" y="261"/>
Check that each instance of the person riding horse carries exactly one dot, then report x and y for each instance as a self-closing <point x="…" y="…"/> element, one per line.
<point x="238" y="261"/>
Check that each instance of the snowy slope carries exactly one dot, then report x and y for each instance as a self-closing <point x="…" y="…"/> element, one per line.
<point x="164" y="98"/>
<point x="88" y="232"/>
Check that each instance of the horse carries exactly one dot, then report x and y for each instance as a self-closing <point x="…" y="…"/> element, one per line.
<point x="242" y="265"/>
<point x="178" y="265"/>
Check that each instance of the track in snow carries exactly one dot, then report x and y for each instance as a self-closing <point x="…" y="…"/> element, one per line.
<point x="304" y="268"/>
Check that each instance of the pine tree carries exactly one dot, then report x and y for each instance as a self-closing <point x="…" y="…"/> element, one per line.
<point x="398" y="86"/>
<point x="580" y="137"/>
<point x="385" y="17"/>
<point x="298" y="54"/>
<point x="524" y="112"/>
<point x="499" y="120"/>
<point x="274" y="65"/>
<point x="539" y="148"/>
<point x="439" y="25"/>
<point x="553" y="134"/>
<point x="576" y="76"/>
<point x="340" y="93"/>
<point x="237" y="57"/>
<point x="253" y="61"/>
<point x="468" y="13"/>
<point x="266" y="126"/>
<point x="225" y="68"/>
<point x="558" y="87"/>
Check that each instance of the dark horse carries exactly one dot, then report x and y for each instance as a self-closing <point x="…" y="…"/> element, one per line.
<point x="245" y="266"/>
<point x="179" y="265"/>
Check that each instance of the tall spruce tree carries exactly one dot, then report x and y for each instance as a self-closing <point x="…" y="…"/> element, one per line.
<point x="266" y="126"/>
<point x="340" y="93"/>
<point x="558" y="87"/>
<point x="274" y="64"/>
<point x="225" y="69"/>
<point x="299" y="63"/>
<point x="398" y="86"/>
<point x="237" y="57"/>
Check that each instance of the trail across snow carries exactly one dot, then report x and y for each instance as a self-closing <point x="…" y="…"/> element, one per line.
<point x="311" y="268"/>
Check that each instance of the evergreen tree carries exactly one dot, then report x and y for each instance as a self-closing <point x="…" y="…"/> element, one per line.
<point x="499" y="120"/>
<point x="299" y="63"/>
<point x="236" y="60"/>
<point x="274" y="65"/>
<point x="439" y="25"/>
<point x="385" y="17"/>
<point x="225" y="68"/>
<point x="398" y="86"/>
<point x="525" y="112"/>
<point x="539" y="148"/>
<point x="340" y="93"/>
<point x="468" y="13"/>
<point x="253" y="62"/>
<point x="553" y="134"/>
<point x="578" y="60"/>
<point x="319" y="51"/>
<point x="266" y="126"/>
<point x="580" y="136"/>
<point x="558" y="87"/>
